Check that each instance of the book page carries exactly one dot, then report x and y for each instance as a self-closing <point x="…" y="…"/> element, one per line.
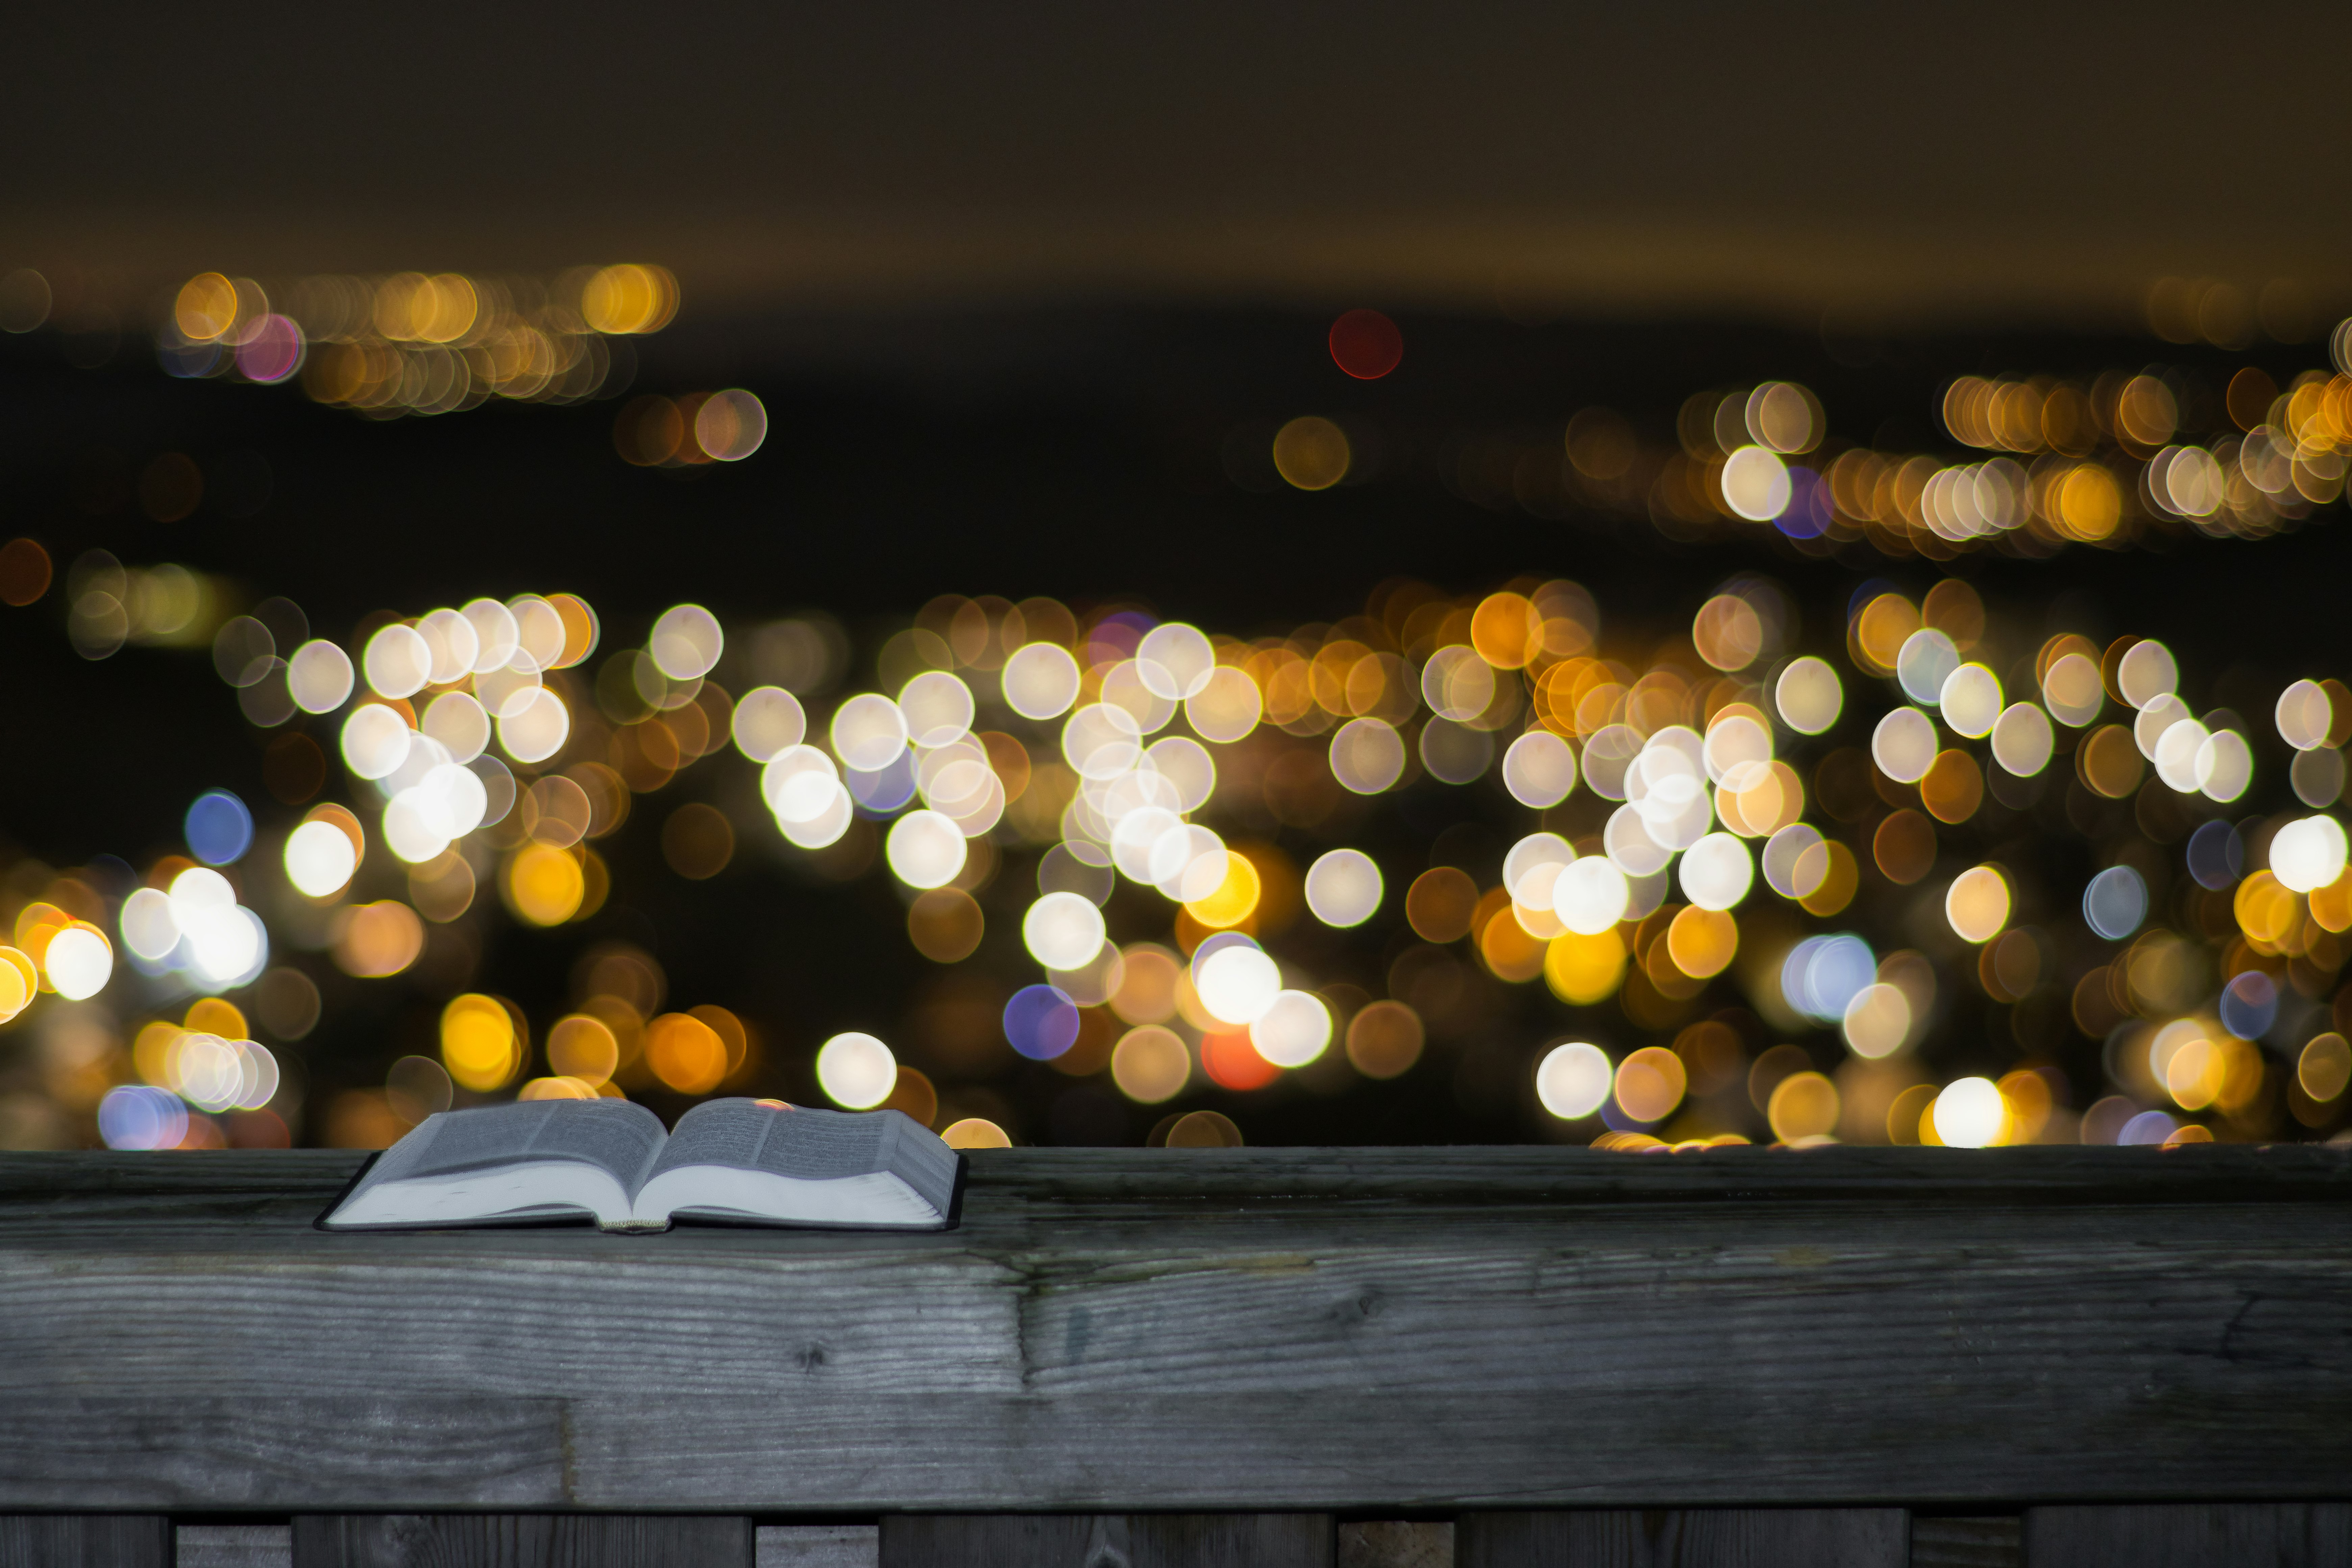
<point x="617" y="1137"/>
<point x="613" y="1135"/>
<point x="876" y="1201"/>
<point x="823" y="1145"/>
<point x="719" y="1133"/>
<point x="465" y="1141"/>
<point x="506" y="1160"/>
<point x="918" y="1157"/>
<point x="807" y="1167"/>
<point x="488" y="1193"/>
<point x="819" y="1145"/>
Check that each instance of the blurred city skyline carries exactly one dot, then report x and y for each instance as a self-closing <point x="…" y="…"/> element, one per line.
<point x="1895" y="465"/>
<point x="1959" y="165"/>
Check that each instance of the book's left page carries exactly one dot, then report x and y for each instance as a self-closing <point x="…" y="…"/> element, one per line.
<point x="542" y="1159"/>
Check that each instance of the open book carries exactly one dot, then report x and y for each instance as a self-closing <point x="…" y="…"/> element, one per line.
<point x="732" y="1160"/>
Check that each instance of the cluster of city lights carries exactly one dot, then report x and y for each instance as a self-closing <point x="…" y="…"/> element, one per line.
<point x="413" y="342"/>
<point x="2125" y="456"/>
<point x="1730" y="843"/>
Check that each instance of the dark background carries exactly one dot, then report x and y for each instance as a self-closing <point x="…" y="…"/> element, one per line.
<point x="1008" y="285"/>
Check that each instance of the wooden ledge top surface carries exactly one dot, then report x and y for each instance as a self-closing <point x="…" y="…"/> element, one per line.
<point x="1409" y="1177"/>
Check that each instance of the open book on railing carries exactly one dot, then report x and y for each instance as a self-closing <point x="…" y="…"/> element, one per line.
<point x="739" y="1161"/>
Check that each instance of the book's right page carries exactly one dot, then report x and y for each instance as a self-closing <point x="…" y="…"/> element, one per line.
<point x="750" y="1160"/>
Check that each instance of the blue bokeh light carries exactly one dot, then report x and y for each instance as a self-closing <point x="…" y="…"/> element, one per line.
<point x="1822" y="973"/>
<point x="2216" y="855"/>
<point x="218" y="827"/>
<point x="880" y="793"/>
<point x="1041" y="1021"/>
<point x="2250" y="1005"/>
<point x="2115" y="903"/>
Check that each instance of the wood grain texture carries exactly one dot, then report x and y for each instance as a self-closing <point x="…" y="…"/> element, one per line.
<point x="261" y="1452"/>
<point x="1395" y="1543"/>
<point x="1696" y="1538"/>
<point x="2190" y="1535"/>
<point x="520" y="1541"/>
<point x="1080" y="1540"/>
<point x="1159" y="1331"/>
<point x="102" y="1541"/>
<point x="233" y="1546"/>
<point x="816" y="1546"/>
<point x="1991" y="1540"/>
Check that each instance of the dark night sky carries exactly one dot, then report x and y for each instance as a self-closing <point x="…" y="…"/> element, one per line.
<point x="1988" y="159"/>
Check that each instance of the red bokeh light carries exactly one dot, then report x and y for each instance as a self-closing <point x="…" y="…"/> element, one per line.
<point x="1233" y="1063"/>
<point x="1366" y="344"/>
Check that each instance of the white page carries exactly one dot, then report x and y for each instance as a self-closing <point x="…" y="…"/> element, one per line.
<point x="510" y="1161"/>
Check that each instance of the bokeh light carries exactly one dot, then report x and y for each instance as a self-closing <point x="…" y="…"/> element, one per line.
<point x="1366" y="344"/>
<point x="544" y="885"/>
<point x="768" y="720"/>
<point x="1385" y="1039"/>
<point x="1292" y="1030"/>
<point x="78" y="962"/>
<point x="975" y="1133"/>
<point x="1311" y="453"/>
<point x="1041" y="681"/>
<point x="1649" y="1084"/>
<point x="1151" y="1064"/>
<point x="319" y="858"/>
<point x="1977" y="904"/>
<point x="1970" y="1113"/>
<point x="926" y="849"/>
<point x="218" y="827"/>
<point x="856" y="1071"/>
<point x="1237" y="985"/>
<point x="731" y="425"/>
<point x="1175" y="788"/>
<point x="1802" y="1106"/>
<point x="1756" y="484"/>
<point x="1366" y="756"/>
<point x="1041" y="1022"/>
<point x="689" y="1056"/>
<point x="1343" y="888"/>
<point x="2308" y="854"/>
<point x="1809" y="696"/>
<point x="1590" y="896"/>
<point x="1539" y="769"/>
<point x="1903" y="745"/>
<point x="1062" y="930"/>
<point x="1717" y="871"/>
<point x="1574" y="1079"/>
<point x="480" y="1046"/>
<point x="2114" y="902"/>
<point x="135" y="1116"/>
<point x="1877" y="1021"/>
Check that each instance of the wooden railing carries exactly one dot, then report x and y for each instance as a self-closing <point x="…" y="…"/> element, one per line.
<point x="1483" y="1356"/>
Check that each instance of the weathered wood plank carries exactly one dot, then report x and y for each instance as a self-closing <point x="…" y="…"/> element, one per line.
<point x="2190" y="1535"/>
<point x="1284" y="1330"/>
<point x="257" y="1452"/>
<point x="1396" y="1543"/>
<point x="520" y="1541"/>
<point x="817" y="1546"/>
<point x="995" y="1541"/>
<point x="1079" y="1541"/>
<point x="1695" y="1538"/>
<point x="1983" y="1541"/>
<point x="233" y="1546"/>
<point x="88" y="1541"/>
